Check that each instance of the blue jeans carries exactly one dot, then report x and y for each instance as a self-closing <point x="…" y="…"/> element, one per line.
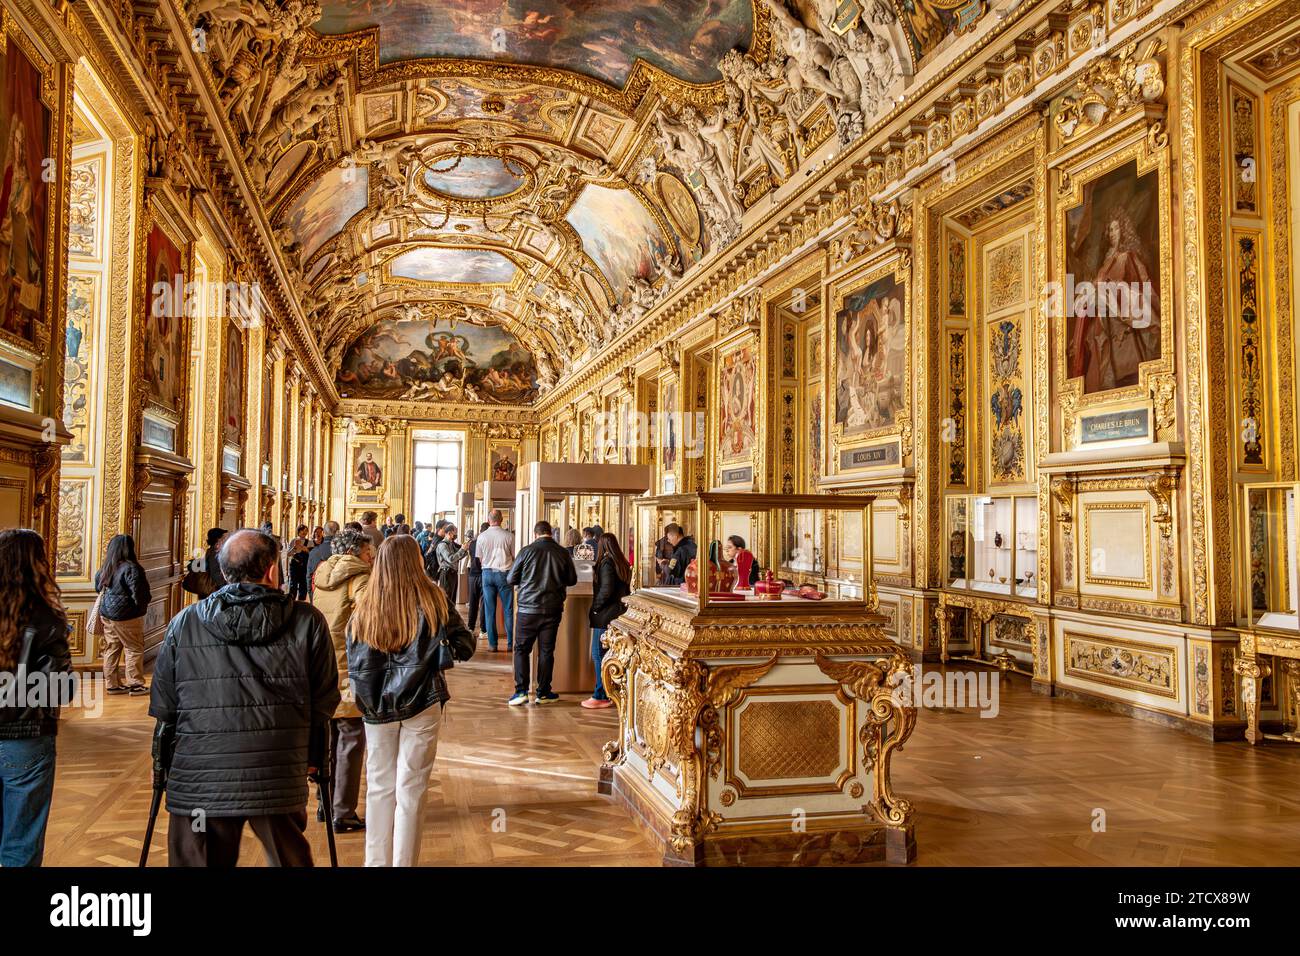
<point x="597" y="655"/>
<point x="26" y="786"/>
<point x="494" y="585"/>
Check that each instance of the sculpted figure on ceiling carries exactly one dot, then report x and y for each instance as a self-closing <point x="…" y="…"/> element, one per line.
<point x="856" y="70"/>
<point x="253" y="46"/>
<point x="761" y="99"/>
<point x="389" y="161"/>
<point x="302" y="111"/>
<point x="707" y="148"/>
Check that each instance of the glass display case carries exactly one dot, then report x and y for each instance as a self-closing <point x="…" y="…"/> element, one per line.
<point x="992" y="543"/>
<point x="495" y="494"/>
<point x="653" y="514"/>
<point x="784" y="538"/>
<point x="569" y="495"/>
<point x="1270" y="555"/>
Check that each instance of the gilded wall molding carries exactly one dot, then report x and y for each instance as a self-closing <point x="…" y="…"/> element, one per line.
<point x="1218" y="31"/>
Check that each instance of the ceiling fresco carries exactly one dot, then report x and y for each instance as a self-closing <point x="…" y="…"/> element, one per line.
<point x="426" y="360"/>
<point x="685" y="38"/>
<point x="454" y="158"/>
<point x="525" y="106"/>
<point x="475" y="177"/>
<point x="432" y="264"/>
<point x="322" y="209"/>
<point x="623" y="254"/>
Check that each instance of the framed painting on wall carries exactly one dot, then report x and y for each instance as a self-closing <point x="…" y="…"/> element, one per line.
<point x="232" y="385"/>
<point x="503" y="461"/>
<point x="668" y="435"/>
<point x="870" y="357"/>
<point x="25" y="210"/>
<point x="1112" y="261"/>
<point x="1110" y="301"/>
<point x="368" y="471"/>
<point x="268" y="419"/>
<point x="164" y="347"/>
<point x="737" y="392"/>
<point x="866" y="392"/>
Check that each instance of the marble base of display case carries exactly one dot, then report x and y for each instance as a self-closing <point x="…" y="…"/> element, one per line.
<point x="766" y="742"/>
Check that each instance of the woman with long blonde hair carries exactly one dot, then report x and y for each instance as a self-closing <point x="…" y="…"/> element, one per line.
<point x="34" y="654"/>
<point x="402" y="636"/>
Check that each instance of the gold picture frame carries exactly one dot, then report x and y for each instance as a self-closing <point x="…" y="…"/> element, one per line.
<point x="895" y="265"/>
<point x="501" y="453"/>
<point x="1148" y="151"/>
<point x="377" y="447"/>
<point x="55" y="96"/>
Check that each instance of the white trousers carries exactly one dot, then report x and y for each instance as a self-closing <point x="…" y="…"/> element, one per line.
<point x="399" y="760"/>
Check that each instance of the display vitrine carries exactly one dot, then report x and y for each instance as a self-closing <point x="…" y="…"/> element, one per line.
<point x="740" y="705"/>
<point x="499" y="495"/>
<point x="992" y="544"/>
<point x="1270" y="570"/>
<point x="551" y="491"/>
<point x="783" y="536"/>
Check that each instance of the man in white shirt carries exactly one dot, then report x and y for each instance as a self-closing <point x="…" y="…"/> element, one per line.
<point x="495" y="548"/>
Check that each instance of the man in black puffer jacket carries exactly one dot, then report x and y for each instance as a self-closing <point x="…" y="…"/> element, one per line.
<point x="241" y="680"/>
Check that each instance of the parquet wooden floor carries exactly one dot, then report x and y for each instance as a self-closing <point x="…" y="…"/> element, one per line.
<point x="517" y="786"/>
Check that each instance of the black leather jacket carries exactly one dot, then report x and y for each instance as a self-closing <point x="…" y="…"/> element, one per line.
<point x="542" y="572"/>
<point x="607" y="595"/>
<point x="393" y="687"/>
<point x="42" y="649"/>
<point x="127" y="596"/>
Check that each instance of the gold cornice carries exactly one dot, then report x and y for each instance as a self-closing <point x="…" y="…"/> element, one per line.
<point x="239" y="203"/>
<point x="438" y="411"/>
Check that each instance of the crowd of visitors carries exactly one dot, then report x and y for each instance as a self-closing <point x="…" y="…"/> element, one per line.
<point x="321" y="658"/>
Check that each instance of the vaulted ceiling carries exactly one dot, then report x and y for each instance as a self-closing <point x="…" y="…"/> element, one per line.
<point x="473" y="195"/>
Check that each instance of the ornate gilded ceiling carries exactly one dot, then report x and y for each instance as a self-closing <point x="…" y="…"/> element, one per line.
<point x="548" y="169"/>
<point x="684" y="38"/>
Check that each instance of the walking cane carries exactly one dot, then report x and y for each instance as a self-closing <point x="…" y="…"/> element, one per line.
<point x="323" y="788"/>
<point x="164" y="736"/>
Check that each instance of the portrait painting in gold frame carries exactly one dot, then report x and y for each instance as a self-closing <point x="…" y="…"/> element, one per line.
<point x="868" y="383"/>
<point x="1112" y="219"/>
<point x="25" y="178"/>
<point x="164" y="320"/>
<point x="1112" y="257"/>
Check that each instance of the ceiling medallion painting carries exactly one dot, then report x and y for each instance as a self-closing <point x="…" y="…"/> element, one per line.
<point x="418" y="361"/>
<point x="684" y="38"/>
<point x="459" y="266"/>
<point x="476" y="177"/>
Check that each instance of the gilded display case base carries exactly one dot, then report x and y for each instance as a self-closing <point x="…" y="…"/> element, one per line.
<point x="835" y="844"/>
<point x="759" y="739"/>
<point x="1260" y="654"/>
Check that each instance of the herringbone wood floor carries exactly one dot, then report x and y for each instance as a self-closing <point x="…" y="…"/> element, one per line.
<point x="516" y="786"/>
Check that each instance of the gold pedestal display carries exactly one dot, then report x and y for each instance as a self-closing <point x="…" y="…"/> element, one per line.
<point x="756" y="731"/>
